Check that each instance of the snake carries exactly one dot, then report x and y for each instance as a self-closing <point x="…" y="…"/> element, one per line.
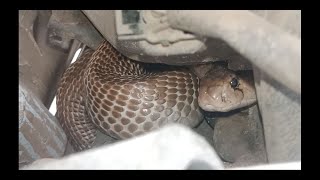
<point x="106" y="91"/>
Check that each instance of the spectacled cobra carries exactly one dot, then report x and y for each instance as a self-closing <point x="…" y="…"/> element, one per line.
<point x="124" y="98"/>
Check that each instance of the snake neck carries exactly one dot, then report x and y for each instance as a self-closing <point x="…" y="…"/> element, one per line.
<point x="107" y="61"/>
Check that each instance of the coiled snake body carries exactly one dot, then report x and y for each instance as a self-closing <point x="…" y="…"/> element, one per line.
<point x="105" y="90"/>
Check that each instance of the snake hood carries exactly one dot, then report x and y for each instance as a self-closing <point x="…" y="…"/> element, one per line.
<point x="107" y="91"/>
<point x="223" y="90"/>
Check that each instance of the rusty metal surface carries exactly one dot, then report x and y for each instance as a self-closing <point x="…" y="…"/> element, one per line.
<point x="65" y="25"/>
<point x="38" y="62"/>
<point x="40" y="68"/>
<point x="40" y="134"/>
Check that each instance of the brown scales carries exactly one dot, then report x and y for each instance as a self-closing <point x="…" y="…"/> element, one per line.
<point x="105" y="90"/>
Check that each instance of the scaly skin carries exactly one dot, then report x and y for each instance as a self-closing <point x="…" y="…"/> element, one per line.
<point x="123" y="98"/>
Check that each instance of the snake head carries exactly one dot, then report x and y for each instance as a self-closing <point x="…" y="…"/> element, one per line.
<point x="223" y="90"/>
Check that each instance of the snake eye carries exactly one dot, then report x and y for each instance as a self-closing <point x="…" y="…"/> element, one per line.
<point x="234" y="83"/>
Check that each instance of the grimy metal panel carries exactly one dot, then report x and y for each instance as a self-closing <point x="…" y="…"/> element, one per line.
<point x="40" y="134"/>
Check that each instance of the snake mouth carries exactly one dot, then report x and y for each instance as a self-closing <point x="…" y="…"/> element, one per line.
<point x="205" y="101"/>
<point x="210" y="99"/>
<point x="207" y="106"/>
